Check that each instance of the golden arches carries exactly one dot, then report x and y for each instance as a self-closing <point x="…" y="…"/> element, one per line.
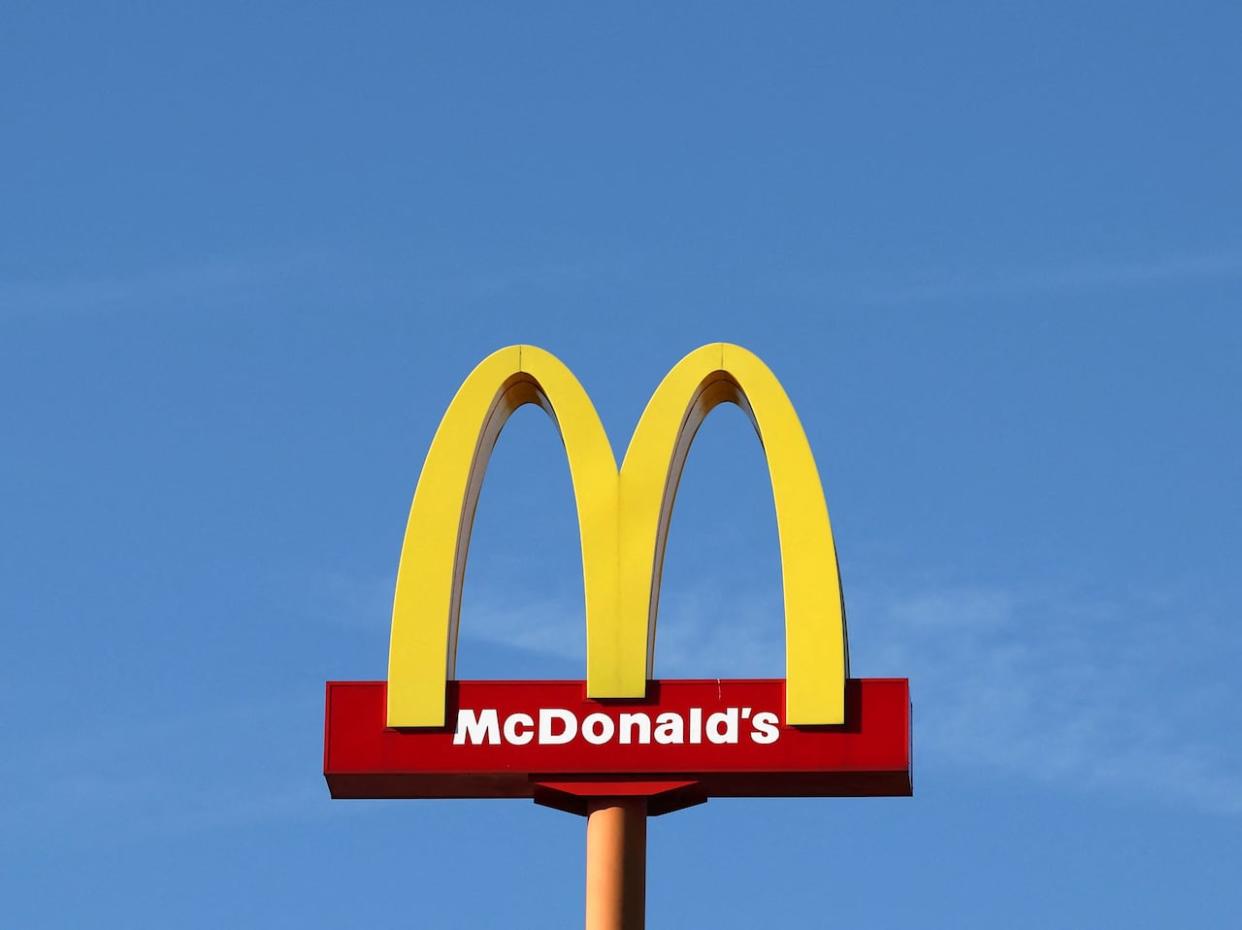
<point x="623" y="521"/>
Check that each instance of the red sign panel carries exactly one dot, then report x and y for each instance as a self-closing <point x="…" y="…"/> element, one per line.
<point x="685" y="742"/>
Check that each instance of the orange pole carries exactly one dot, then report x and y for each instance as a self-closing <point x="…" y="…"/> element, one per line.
<point x="616" y="864"/>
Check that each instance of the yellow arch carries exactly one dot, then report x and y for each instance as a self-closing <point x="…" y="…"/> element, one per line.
<point x="623" y="522"/>
<point x="816" y="654"/>
<point x="422" y="650"/>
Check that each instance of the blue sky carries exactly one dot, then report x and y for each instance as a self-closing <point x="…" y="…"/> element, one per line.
<point x="992" y="251"/>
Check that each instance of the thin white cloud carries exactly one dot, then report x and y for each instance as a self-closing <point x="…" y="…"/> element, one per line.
<point x="747" y="640"/>
<point x="899" y="288"/>
<point x="169" y="774"/>
<point x="549" y="275"/>
<point x="164" y="288"/>
<point x="1067" y="692"/>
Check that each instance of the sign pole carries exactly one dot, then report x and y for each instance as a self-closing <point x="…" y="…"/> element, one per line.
<point x="616" y="864"/>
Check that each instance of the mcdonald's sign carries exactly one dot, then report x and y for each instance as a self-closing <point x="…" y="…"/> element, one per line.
<point x="422" y="734"/>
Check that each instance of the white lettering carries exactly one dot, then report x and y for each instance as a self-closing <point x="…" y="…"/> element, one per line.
<point x="476" y="728"/>
<point x="512" y="722"/>
<point x="670" y="729"/>
<point x="567" y="719"/>
<point x="598" y="729"/>
<point x="763" y="728"/>
<point x="632" y="722"/>
<point x="558" y="726"/>
<point x="727" y="733"/>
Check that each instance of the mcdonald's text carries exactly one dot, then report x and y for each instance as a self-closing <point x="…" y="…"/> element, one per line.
<point x="554" y="726"/>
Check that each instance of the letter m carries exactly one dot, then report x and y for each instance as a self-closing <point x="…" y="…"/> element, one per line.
<point x="476" y="729"/>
